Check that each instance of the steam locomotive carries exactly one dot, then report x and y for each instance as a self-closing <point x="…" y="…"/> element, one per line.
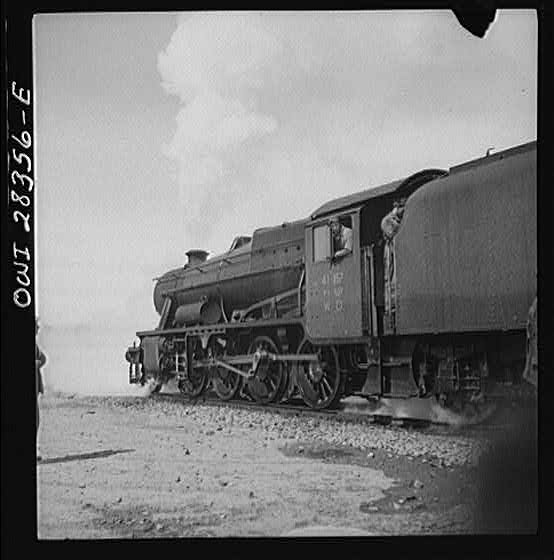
<point x="436" y="311"/>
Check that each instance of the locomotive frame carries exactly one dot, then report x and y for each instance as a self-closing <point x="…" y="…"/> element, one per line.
<point x="276" y="315"/>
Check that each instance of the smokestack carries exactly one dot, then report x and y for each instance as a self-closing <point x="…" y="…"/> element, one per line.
<point x="196" y="256"/>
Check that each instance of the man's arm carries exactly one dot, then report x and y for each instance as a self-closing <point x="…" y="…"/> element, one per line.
<point x="342" y="252"/>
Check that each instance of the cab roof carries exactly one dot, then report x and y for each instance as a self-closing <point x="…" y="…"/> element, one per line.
<point x="403" y="187"/>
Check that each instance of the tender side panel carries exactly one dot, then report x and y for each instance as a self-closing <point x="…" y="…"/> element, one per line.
<point x="466" y="254"/>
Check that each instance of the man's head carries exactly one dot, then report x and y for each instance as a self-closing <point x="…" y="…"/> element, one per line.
<point x="398" y="206"/>
<point x="334" y="224"/>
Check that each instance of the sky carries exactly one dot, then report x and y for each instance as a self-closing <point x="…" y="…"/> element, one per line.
<point x="161" y="132"/>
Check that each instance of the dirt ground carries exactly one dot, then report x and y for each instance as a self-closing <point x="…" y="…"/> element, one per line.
<point x="135" y="468"/>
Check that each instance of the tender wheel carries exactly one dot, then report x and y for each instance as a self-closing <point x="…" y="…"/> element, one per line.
<point x="320" y="383"/>
<point x="270" y="380"/>
<point x="226" y="383"/>
<point x="194" y="384"/>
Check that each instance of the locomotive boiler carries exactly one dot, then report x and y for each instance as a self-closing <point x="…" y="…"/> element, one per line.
<point x="435" y="307"/>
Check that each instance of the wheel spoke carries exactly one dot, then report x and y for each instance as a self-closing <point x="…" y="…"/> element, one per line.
<point x="308" y="391"/>
<point x="271" y="384"/>
<point x="321" y="390"/>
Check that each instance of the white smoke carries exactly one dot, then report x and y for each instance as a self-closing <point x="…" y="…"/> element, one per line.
<point x="430" y="410"/>
<point x="87" y="360"/>
<point x="280" y="112"/>
<point x="216" y="52"/>
<point x="468" y="417"/>
<point x="213" y="64"/>
<point x="209" y="129"/>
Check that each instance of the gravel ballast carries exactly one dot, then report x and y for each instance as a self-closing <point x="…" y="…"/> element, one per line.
<point x="448" y="449"/>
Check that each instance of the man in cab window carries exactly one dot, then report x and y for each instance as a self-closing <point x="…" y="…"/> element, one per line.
<point x="342" y="239"/>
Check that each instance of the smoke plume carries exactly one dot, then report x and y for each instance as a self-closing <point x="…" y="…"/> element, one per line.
<point x="278" y="108"/>
<point x="213" y="64"/>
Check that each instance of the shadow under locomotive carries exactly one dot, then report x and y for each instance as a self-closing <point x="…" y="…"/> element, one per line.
<point x="419" y="288"/>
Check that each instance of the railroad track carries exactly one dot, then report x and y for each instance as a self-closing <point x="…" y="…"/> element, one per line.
<point x="296" y="407"/>
<point x="418" y="414"/>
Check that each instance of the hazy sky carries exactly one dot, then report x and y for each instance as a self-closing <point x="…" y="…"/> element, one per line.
<point x="157" y="133"/>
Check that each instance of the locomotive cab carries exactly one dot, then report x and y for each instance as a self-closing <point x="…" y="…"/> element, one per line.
<point x="333" y="277"/>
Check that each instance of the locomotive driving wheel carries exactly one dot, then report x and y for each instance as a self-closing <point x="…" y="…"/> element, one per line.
<point x="194" y="382"/>
<point x="270" y="380"/>
<point x="226" y="383"/>
<point x="319" y="382"/>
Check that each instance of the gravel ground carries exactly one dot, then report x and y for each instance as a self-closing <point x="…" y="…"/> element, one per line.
<point x="449" y="449"/>
<point x="131" y="467"/>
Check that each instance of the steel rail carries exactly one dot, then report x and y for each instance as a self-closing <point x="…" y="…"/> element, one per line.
<point x="300" y="409"/>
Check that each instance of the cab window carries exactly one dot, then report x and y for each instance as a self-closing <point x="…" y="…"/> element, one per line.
<point x="322" y="243"/>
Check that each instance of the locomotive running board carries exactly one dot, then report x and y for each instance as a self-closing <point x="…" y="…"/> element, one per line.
<point x="220" y="328"/>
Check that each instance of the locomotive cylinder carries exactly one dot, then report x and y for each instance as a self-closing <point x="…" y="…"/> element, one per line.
<point x="205" y="312"/>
